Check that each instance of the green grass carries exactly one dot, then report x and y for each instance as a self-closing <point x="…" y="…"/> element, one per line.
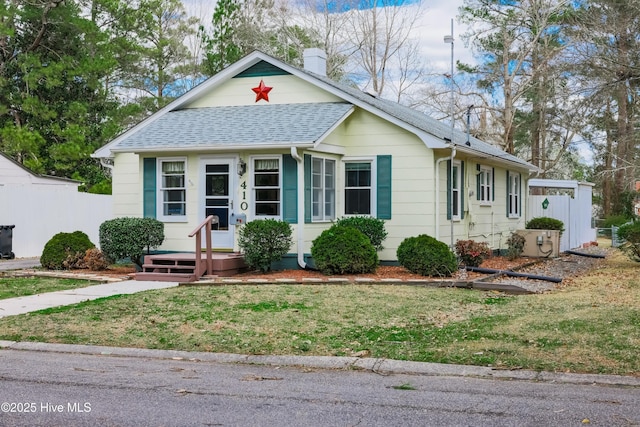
<point x="588" y="325"/>
<point x="11" y="287"/>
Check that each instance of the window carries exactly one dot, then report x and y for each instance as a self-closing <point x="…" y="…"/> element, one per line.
<point x="323" y="179"/>
<point x="485" y="182"/>
<point x="172" y="190"/>
<point x="513" y="202"/>
<point x="456" y="192"/>
<point x="266" y="184"/>
<point x="358" y="188"/>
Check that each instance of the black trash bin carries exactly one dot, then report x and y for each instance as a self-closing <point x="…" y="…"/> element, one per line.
<point x="6" y="241"/>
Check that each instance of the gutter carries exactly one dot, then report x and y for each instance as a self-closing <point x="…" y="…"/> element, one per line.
<point x="215" y="148"/>
<point x="300" y="246"/>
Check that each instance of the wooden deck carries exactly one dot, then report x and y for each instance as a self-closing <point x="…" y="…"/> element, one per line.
<point x="181" y="267"/>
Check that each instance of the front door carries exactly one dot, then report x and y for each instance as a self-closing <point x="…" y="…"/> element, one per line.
<point x="219" y="189"/>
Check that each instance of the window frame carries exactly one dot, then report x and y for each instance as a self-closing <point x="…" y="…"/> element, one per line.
<point x="456" y="190"/>
<point x="161" y="190"/>
<point x="372" y="185"/>
<point x="254" y="188"/>
<point x="514" y="187"/>
<point x="485" y="195"/>
<point x="323" y="192"/>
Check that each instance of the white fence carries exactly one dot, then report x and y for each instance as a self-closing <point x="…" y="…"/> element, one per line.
<point x="574" y="211"/>
<point x="40" y="212"/>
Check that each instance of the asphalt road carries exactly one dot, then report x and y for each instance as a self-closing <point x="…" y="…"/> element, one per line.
<point x="57" y="389"/>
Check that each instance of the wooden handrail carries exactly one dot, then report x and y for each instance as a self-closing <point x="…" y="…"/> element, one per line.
<point x="206" y="224"/>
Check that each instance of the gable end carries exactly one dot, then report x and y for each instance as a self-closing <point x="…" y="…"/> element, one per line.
<point x="262" y="69"/>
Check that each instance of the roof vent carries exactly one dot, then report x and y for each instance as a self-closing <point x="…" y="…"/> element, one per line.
<point x="315" y="60"/>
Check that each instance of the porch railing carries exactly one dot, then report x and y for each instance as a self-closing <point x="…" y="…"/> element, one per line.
<point x="207" y="226"/>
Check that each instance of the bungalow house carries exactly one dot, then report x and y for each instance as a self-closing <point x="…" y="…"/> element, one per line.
<point x="264" y="139"/>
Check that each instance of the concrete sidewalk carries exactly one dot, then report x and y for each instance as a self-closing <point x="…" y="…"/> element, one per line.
<point x="21" y="305"/>
<point x="19" y="263"/>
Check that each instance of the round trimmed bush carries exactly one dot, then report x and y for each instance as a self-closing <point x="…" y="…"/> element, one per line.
<point x="371" y="227"/>
<point x="426" y="256"/>
<point x="344" y="250"/>
<point x="129" y="237"/>
<point x="64" y="246"/>
<point x="264" y="241"/>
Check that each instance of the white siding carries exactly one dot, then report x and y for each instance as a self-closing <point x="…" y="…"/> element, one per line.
<point x="40" y="212"/>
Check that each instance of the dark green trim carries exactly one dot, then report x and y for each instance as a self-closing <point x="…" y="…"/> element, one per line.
<point x="478" y="170"/>
<point x="289" y="189"/>
<point x="149" y="166"/>
<point x="508" y="192"/>
<point x="449" y="190"/>
<point x="307" y="188"/>
<point x="383" y="183"/>
<point x="493" y="184"/>
<point x="262" y="69"/>
<point x="462" y="190"/>
<point x="520" y="195"/>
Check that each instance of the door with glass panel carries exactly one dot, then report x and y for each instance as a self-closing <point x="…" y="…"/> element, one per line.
<point x="218" y="199"/>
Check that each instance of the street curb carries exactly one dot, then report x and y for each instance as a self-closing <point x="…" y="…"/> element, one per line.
<point x="379" y="366"/>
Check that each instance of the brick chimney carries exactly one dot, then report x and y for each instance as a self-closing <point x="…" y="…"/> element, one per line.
<point x="315" y="60"/>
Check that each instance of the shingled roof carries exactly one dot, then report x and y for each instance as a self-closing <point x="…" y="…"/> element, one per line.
<point x="283" y="125"/>
<point x="244" y="126"/>
<point x="424" y="122"/>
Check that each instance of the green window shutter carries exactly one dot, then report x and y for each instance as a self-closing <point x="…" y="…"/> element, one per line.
<point x="307" y="188"/>
<point x="383" y="180"/>
<point x="449" y="189"/>
<point x="461" y="190"/>
<point x="149" y="187"/>
<point x="520" y="194"/>
<point x="508" y="191"/>
<point x="289" y="189"/>
<point x="493" y="184"/>
<point x="478" y="182"/>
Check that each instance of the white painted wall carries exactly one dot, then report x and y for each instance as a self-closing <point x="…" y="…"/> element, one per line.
<point x="40" y="212"/>
<point x="14" y="174"/>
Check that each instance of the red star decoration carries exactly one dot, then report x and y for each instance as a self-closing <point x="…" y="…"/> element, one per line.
<point x="262" y="91"/>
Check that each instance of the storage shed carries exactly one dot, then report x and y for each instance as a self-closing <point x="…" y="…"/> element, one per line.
<point x="567" y="201"/>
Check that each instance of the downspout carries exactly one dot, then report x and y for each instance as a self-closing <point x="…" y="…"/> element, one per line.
<point x="106" y="165"/>
<point x="437" y="198"/>
<point x="299" y="160"/>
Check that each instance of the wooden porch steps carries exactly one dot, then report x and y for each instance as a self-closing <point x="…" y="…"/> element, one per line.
<point x="181" y="267"/>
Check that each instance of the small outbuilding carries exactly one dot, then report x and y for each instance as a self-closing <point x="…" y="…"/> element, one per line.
<point x="567" y="201"/>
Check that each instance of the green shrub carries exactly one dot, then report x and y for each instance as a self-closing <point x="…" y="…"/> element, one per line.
<point x="472" y="253"/>
<point x="614" y="221"/>
<point x="426" y="256"/>
<point x="264" y="241"/>
<point x="630" y="233"/>
<point x="103" y="187"/>
<point x="545" y="223"/>
<point x="371" y="227"/>
<point x="515" y="246"/>
<point x="128" y="237"/>
<point x="64" y="248"/>
<point x="344" y="250"/>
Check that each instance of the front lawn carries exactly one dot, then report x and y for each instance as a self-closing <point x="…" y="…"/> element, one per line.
<point x="590" y="324"/>
<point x="11" y="287"/>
